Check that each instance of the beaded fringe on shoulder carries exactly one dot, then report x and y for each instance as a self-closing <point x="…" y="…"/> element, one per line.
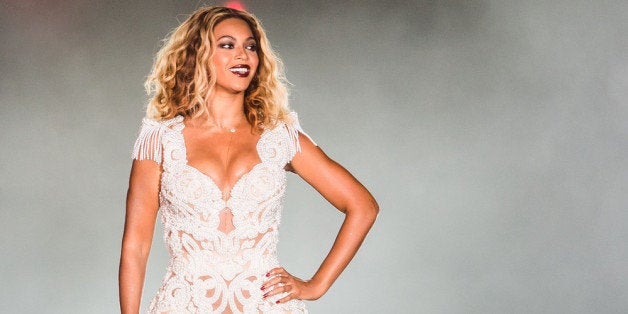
<point x="148" y="143"/>
<point x="294" y="128"/>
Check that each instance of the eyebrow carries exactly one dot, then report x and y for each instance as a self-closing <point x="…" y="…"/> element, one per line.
<point x="232" y="38"/>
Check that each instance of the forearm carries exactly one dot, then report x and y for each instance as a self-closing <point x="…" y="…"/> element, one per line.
<point x="351" y="235"/>
<point x="347" y="194"/>
<point x="131" y="281"/>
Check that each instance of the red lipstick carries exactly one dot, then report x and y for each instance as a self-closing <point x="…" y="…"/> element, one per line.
<point x="241" y="70"/>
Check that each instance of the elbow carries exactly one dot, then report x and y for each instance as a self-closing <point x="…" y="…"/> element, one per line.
<point x="134" y="249"/>
<point x="367" y="211"/>
<point x="373" y="210"/>
<point x="363" y="208"/>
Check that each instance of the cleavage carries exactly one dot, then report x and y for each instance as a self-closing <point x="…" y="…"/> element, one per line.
<point x="222" y="157"/>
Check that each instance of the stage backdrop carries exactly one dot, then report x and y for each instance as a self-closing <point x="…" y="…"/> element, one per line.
<point x="493" y="134"/>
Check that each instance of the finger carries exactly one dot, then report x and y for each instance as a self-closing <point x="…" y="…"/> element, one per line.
<point x="278" y="289"/>
<point x="276" y="271"/>
<point x="285" y="299"/>
<point x="273" y="281"/>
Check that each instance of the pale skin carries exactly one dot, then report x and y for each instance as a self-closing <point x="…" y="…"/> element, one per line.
<point x="225" y="157"/>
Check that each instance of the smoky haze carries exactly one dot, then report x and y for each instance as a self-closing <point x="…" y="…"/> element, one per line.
<point x="493" y="134"/>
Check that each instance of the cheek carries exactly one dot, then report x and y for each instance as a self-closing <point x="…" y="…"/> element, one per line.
<point x="218" y="60"/>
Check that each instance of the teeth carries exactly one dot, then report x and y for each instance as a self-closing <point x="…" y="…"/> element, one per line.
<point x="239" y="70"/>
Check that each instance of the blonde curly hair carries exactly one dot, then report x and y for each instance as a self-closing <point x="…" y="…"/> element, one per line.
<point x="182" y="79"/>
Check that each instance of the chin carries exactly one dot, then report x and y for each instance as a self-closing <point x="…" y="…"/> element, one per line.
<point x="242" y="88"/>
<point x="239" y="90"/>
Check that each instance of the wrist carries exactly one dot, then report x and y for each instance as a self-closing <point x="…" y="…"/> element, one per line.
<point x="317" y="288"/>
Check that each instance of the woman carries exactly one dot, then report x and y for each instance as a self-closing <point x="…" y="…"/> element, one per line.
<point x="212" y="156"/>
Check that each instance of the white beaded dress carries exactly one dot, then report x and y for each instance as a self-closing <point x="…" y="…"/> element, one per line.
<point x="212" y="271"/>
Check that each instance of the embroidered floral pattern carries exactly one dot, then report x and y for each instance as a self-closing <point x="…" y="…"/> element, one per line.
<point x="213" y="270"/>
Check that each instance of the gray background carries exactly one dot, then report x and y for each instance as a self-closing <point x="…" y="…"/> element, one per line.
<point x="492" y="133"/>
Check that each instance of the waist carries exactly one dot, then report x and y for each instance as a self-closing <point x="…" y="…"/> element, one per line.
<point x="208" y="264"/>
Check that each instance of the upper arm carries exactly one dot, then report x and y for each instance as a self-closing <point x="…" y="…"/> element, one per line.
<point x="142" y="204"/>
<point x="330" y="179"/>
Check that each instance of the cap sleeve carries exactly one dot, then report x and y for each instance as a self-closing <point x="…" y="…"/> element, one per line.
<point x="149" y="141"/>
<point x="294" y="128"/>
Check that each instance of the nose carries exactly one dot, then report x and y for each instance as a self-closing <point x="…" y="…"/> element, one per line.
<point x="241" y="54"/>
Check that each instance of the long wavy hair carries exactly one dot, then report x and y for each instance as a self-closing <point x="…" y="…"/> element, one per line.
<point x="183" y="79"/>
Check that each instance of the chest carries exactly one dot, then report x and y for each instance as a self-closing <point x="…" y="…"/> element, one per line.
<point x="254" y="178"/>
<point x="224" y="157"/>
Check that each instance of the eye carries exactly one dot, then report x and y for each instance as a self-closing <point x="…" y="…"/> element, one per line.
<point x="252" y="47"/>
<point x="226" y="45"/>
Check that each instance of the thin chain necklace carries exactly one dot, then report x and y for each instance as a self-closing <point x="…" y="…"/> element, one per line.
<point x="232" y="131"/>
<point x="226" y="164"/>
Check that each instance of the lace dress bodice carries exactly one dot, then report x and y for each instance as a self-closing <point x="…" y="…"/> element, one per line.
<point x="212" y="270"/>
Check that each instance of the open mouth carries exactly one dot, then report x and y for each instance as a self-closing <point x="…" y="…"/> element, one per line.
<point x="241" y="70"/>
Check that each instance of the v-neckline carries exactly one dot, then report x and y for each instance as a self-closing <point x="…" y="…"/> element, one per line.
<point x="228" y="195"/>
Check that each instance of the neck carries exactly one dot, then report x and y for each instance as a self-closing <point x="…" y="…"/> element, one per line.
<point x="226" y="110"/>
